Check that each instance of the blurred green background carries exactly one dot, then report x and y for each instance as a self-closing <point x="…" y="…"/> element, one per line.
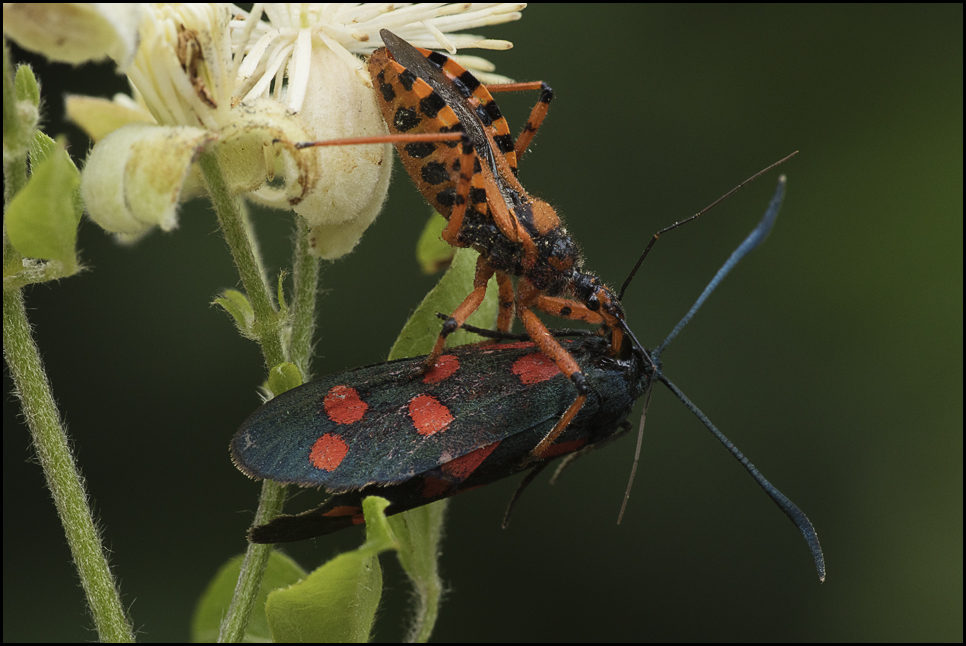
<point x="833" y="356"/>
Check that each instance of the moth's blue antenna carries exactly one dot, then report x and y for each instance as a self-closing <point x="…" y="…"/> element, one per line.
<point x="755" y="238"/>
<point x="791" y="510"/>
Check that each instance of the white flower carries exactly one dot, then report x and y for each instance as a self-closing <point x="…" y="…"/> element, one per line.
<point x="75" y="32"/>
<point x="249" y="90"/>
<point x="306" y="55"/>
<point x="284" y="45"/>
<point x="183" y="76"/>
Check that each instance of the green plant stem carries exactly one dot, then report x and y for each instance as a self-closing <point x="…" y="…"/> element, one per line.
<point x="252" y="569"/>
<point x="267" y="328"/>
<point x="269" y="325"/>
<point x="427" y="612"/>
<point x="63" y="478"/>
<point x="306" y="288"/>
<point x="37" y="401"/>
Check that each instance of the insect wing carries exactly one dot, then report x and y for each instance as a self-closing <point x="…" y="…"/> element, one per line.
<point x="472" y="103"/>
<point x="517" y="417"/>
<point x="385" y="423"/>
<point x="420" y="91"/>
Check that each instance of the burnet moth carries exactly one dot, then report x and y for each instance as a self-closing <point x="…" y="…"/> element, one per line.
<point x="476" y="417"/>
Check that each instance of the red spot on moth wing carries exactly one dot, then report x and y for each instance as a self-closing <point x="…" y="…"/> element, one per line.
<point x="563" y="449"/>
<point x="534" y="368"/>
<point x="462" y="467"/>
<point x="328" y="452"/>
<point x="429" y="415"/>
<point x="344" y="510"/>
<point x="445" y="366"/>
<point x="343" y="405"/>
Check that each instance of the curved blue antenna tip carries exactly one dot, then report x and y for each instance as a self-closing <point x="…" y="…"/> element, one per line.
<point x="791" y="510"/>
<point x="755" y="238"/>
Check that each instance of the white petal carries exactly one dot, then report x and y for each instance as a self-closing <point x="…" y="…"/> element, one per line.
<point x="75" y="32"/>
<point x="133" y="178"/>
<point x="353" y="180"/>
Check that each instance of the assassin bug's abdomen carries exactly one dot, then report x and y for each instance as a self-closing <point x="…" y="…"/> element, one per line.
<point x="410" y="105"/>
<point x="420" y="91"/>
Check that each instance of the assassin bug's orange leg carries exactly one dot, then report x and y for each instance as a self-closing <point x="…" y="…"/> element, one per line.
<point x="570" y="309"/>
<point x="576" y="311"/>
<point x="568" y="366"/>
<point x="507" y="300"/>
<point x="528" y="297"/>
<point x="506" y="221"/>
<point x="566" y="308"/>
<point x="383" y="139"/>
<point x="537" y="114"/>
<point x="469" y="305"/>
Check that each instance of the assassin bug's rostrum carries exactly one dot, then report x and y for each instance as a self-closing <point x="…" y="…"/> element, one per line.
<point x="457" y="147"/>
<point x="474" y="418"/>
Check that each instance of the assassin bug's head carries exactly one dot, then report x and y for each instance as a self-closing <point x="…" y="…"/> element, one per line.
<point x="598" y="297"/>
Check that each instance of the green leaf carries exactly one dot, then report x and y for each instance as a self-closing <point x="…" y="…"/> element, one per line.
<point x="213" y="604"/>
<point x="420" y="332"/>
<point x="240" y="309"/>
<point x="42" y="219"/>
<point x="420" y="532"/>
<point x="27" y="88"/>
<point x="338" y="601"/>
<point x="41" y="147"/>
<point x="432" y="252"/>
<point x="283" y="377"/>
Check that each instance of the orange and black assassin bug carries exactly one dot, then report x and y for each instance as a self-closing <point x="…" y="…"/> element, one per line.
<point x="456" y="145"/>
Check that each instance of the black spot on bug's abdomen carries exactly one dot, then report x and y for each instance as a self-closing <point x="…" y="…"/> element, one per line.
<point x="420" y="150"/>
<point x="434" y="173"/>
<point x="388" y="92"/>
<point x="431" y="105"/>
<point x="406" y="119"/>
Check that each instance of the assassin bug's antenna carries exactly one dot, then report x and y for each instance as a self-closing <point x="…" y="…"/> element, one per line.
<point x="755" y="238"/>
<point x="679" y="223"/>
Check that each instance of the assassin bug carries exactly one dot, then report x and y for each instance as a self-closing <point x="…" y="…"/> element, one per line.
<point x="476" y="417"/>
<point x="457" y="147"/>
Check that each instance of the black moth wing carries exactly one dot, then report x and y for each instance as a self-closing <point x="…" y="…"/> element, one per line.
<point x="518" y="416"/>
<point x="404" y="425"/>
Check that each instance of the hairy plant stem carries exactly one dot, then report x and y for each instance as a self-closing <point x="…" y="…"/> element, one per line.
<point x="269" y="327"/>
<point x="39" y="409"/>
